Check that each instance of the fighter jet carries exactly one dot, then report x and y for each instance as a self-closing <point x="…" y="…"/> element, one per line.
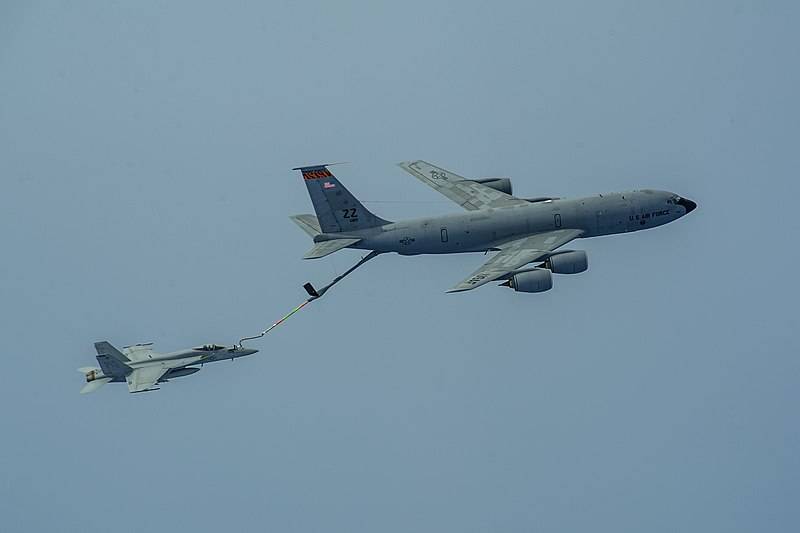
<point x="527" y="233"/>
<point x="143" y="368"/>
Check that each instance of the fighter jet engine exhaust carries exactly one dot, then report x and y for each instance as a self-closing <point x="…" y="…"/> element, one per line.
<point x="567" y="263"/>
<point x="537" y="280"/>
<point x="94" y="379"/>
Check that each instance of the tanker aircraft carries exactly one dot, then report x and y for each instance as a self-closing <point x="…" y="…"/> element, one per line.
<point x="523" y="231"/>
<point x="143" y="368"/>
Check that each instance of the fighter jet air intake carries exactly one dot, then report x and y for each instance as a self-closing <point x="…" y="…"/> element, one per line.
<point x="526" y="233"/>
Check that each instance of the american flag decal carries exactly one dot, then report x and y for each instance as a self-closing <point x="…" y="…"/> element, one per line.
<point x="328" y="185"/>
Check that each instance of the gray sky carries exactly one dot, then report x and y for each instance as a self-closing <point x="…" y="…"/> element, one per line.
<point x="144" y="156"/>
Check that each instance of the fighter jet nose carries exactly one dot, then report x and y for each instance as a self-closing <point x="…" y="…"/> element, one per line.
<point x="687" y="204"/>
<point x="239" y="351"/>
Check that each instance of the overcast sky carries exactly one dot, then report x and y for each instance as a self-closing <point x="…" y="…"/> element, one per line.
<point x="145" y="150"/>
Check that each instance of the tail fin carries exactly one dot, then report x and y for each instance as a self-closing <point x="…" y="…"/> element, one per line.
<point x="337" y="210"/>
<point x="111" y="360"/>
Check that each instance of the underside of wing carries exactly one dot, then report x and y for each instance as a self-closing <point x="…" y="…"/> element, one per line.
<point x="308" y="223"/>
<point x="144" y="378"/>
<point x="321" y="249"/>
<point x="468" y="194"/>
<point x="516" y="254"/>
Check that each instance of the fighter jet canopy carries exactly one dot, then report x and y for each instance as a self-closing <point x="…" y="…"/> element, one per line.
<point x="209" y="348"/>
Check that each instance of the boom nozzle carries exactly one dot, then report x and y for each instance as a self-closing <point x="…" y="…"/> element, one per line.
<point x="311" y="290"/>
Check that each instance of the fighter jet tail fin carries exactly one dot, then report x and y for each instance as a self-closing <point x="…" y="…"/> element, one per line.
<point x="337" y="209"/>
<point x="111" y="360"/>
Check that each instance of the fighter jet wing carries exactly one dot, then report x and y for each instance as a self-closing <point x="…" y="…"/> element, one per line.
<point x="516" y="254"/>
<point x="144" y="378"/>
<point x="468" y="194"/>
<point x="139" y="352"/>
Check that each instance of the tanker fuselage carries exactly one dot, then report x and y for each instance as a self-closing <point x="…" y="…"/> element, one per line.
<point x="478" y="231"/>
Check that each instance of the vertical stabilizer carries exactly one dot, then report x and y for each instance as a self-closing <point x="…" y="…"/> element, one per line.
<point x="337" y="209"/>
<point x="112" y="361"/>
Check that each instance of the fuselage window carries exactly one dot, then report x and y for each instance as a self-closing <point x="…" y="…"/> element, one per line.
<point x="557" y="220"/>
<point x="444" y="234"/>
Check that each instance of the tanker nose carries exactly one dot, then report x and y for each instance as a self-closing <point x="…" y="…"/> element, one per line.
<point x="687" y="204"/>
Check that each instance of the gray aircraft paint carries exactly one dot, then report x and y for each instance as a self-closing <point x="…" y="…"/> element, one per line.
<point x="494" y="220"/>
<point x="118" y="366"/>
<point x="483" y="230"/>
<point x="146" y="154"/>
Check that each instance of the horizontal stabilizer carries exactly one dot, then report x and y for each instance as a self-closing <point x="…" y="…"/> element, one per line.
<point x="144" y="378"/>
<point x="94" y="385"/>
<point x="307" y="223"/>
<point x="321" y="249"/>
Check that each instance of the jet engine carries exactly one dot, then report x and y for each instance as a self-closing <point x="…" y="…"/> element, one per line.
<point x="568" y="262"/>
<point x="538" y="280"/>
<point x="94" y="379"/>
<point x="498" y="184"/>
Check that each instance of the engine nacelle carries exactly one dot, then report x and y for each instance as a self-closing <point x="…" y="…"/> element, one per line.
<point x="498" y="184"/>
<point x="568" y="262"/>
<point x="538" y="280"/>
